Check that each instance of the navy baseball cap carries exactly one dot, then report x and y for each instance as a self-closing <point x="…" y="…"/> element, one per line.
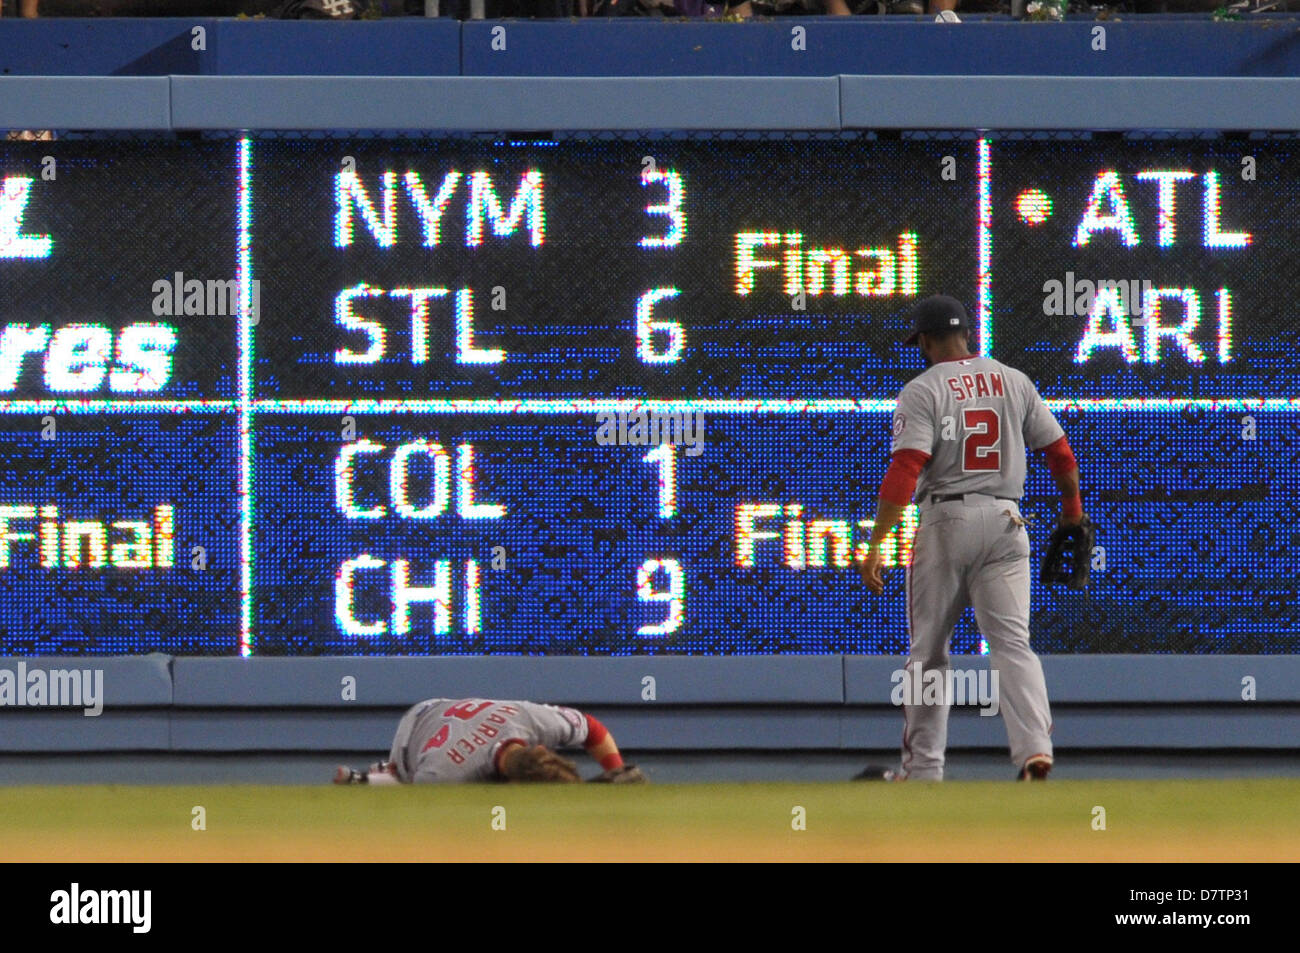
<point x="937" y="313"/>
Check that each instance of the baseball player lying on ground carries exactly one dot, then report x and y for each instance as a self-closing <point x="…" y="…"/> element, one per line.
<point x="960" y="432"/>
<point x="443" y="740"/>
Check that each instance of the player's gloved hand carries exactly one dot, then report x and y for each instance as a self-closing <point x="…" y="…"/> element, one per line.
<point x="1069" y="554"/>
<point x="623" y="774"/>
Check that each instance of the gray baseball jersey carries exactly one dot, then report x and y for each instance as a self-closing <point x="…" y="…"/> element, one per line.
<point x="974" y="417"/>
<point x="456" y="739"/>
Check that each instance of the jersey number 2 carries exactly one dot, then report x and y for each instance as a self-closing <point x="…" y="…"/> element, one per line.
<point x="979" y="451"/>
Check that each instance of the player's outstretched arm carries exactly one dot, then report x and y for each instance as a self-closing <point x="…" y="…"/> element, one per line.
<point x="1065" y="472"/>
<point x="601" y="746"/>
<point x="888" y="513"/>
<point x="895" y="493"/>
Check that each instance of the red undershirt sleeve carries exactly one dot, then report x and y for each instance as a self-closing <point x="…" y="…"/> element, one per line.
<point x="1060" y="458"/>
<point x="899" y="483"/>
<point x="597" y="733"/>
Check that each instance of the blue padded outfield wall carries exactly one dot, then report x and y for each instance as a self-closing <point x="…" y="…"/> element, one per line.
<point x="832" y="103"/>
<point x="801" y="703"/>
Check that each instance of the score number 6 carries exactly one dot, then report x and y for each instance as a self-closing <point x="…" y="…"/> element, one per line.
<point x="647" y="348"/>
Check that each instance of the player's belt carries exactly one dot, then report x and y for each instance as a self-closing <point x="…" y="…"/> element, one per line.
<point x="949" y="497"/>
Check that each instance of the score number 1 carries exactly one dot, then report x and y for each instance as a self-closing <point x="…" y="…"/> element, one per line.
<point x="674" y="596"/>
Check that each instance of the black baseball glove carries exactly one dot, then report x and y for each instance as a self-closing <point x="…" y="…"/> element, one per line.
<point x="625" y="774"/>
<point x="1068" y="559"/>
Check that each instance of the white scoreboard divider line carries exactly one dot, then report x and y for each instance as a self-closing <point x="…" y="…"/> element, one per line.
<point x="247" y="320"/>
<point x="563" y="406"/>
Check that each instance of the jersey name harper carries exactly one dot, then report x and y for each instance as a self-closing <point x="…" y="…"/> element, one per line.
<point x="450" y="739"/>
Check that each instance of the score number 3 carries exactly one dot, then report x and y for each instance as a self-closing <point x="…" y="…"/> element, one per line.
<point x="671" y="208"/>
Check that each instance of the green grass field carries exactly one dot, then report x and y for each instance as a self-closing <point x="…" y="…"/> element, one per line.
<point x="1145" y="820"/>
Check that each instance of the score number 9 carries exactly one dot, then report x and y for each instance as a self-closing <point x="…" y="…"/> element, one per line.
<point x="673" y="597"/>
<point x="668" y="346"/>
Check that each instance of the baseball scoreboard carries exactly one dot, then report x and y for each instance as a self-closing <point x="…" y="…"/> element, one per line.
<point x="602" y="395"/>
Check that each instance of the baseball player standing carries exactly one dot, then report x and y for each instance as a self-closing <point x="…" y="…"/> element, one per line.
<point x="961" y="429"/>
